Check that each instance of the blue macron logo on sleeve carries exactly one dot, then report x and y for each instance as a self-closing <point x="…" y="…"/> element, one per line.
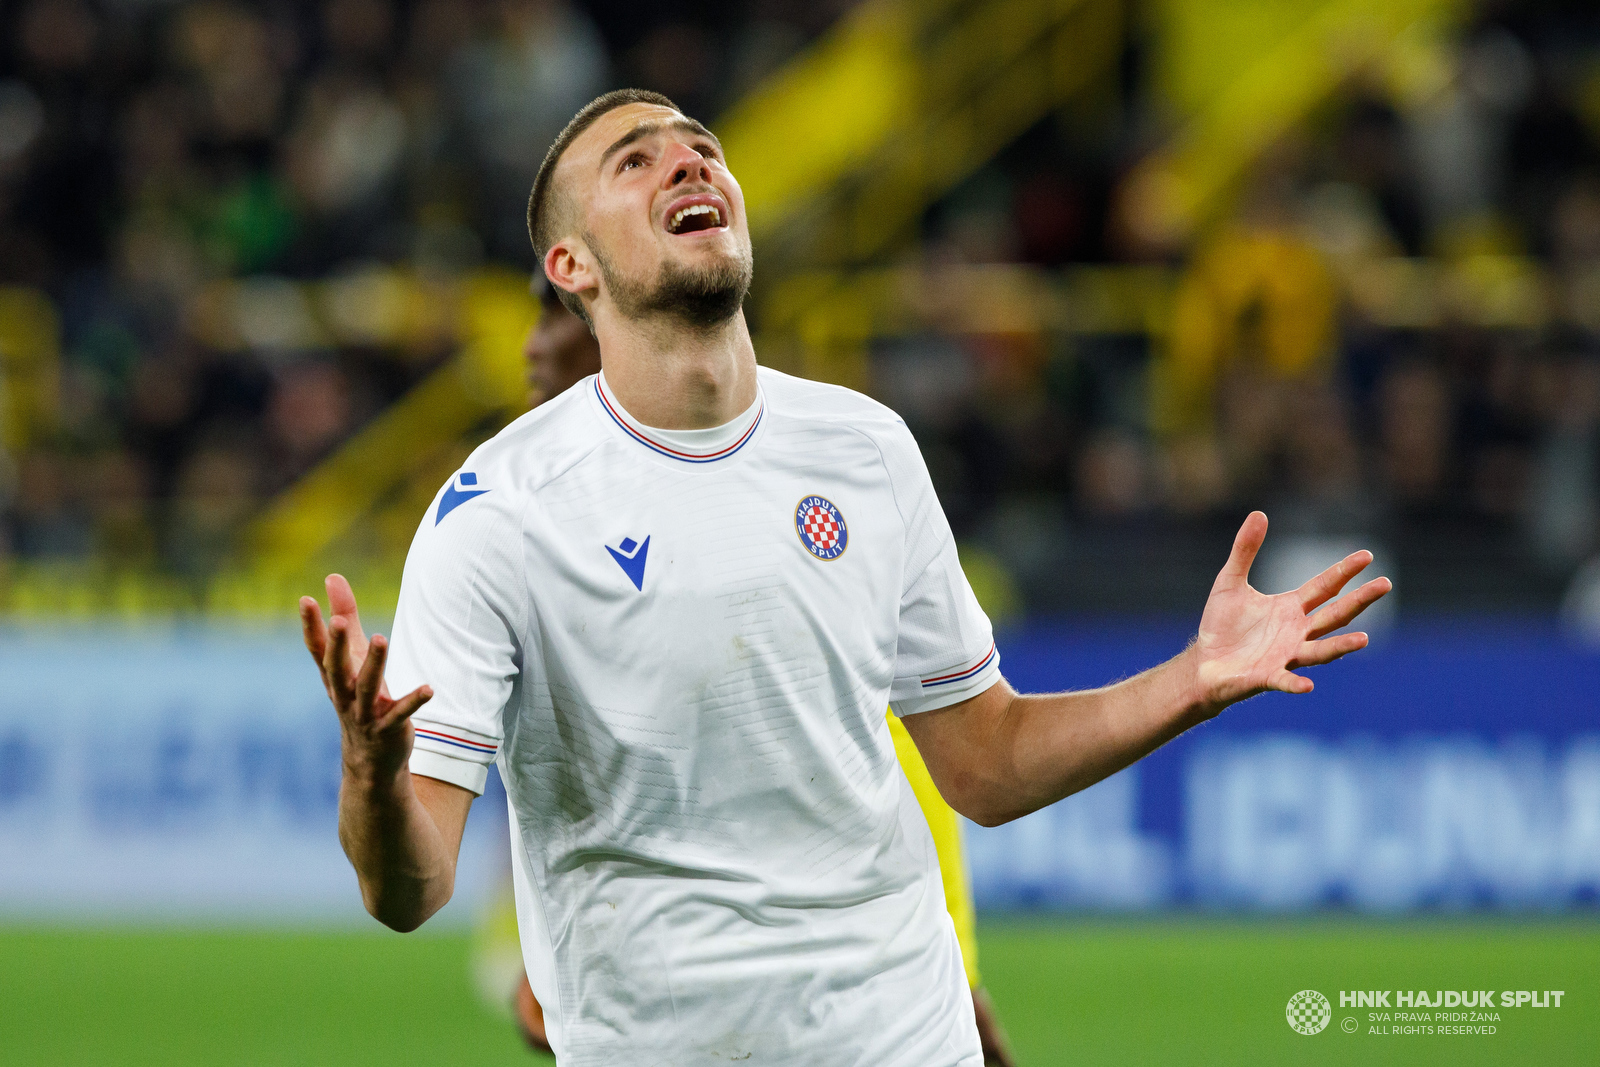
<point x="454" y="497"/>
<point x="630" y="556"/>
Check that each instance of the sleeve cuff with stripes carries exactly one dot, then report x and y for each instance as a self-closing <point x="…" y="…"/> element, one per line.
<point x="452" y="754"/>
<point x="961" y="682"/>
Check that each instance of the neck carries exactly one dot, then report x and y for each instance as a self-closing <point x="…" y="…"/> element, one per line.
<point x="675" y="377"/>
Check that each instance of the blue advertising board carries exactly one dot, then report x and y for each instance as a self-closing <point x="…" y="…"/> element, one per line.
<point x="1452" y="765"/>
<point x="182" y="775"/>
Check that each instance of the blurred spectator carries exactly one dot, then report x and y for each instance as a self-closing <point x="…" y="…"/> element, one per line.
<point x="342" y="158"/>
<point x="1415" y="433"/>
<point x="1368" y="153"/>
<point x="118" y="492"/>
<point x="1564" y="499"/>
<point x="48" y="522"/>
<point x="534" y="65"/>
<point x="1459" y="134"/>
<point x="216" y="492"/>
<point x="1257" y="296"/>
<point x="1112" y="477"/>
<point x="309" y="411"/>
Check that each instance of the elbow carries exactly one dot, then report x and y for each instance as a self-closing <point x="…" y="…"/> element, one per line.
<point x="988" y="807"/>
<point x="990" y="796"/>
<point x="401" y="920"/>
<point x="406" y="915"/>
<point x="401" y="924"/>
<point x="990" y="815"/>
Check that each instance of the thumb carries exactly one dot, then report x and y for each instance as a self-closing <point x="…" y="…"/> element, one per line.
<point x="1246" y="544"/>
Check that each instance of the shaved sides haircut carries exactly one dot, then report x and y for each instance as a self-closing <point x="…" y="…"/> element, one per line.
<point x="545" y="209"/>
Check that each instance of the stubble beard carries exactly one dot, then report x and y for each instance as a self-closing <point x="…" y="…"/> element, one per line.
<point x="702" y="297"/>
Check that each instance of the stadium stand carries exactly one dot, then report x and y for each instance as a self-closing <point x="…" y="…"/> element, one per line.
<point x="1125" y="269"/>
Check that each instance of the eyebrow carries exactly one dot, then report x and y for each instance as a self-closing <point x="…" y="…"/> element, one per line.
<point x="645" y="129"/>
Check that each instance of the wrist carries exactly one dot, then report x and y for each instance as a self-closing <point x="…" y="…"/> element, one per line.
<point x="1195" y="697"/>
<point x="372" y="777"/>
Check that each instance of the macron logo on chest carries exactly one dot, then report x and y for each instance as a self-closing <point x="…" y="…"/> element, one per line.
<point x="630" y="556"/>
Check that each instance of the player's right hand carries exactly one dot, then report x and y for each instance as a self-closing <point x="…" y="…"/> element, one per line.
<point x="375" y="731"/>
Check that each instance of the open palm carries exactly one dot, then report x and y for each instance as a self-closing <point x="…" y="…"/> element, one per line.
<point x="1250" y="642"/>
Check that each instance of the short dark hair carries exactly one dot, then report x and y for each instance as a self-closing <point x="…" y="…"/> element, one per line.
<point x="539" y="214"/>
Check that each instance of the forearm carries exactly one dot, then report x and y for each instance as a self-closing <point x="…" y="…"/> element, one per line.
<point x="1062" y="742"/>
<point x="402" y="860"/>
<point x="1045" y="747"/>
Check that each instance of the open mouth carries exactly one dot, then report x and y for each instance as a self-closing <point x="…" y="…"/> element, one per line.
<point x="694" y="218"/>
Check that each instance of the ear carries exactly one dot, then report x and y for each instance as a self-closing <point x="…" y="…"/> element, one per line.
<point x="570" y="266"/>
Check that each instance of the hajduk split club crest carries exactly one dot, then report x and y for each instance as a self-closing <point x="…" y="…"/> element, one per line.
<point x="821" y="527"/>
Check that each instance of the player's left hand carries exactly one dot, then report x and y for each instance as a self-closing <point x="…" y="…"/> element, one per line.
<point x="996" y="1049"/>
<point x="530" y="1017"/>
<point x="1250" y="642"/>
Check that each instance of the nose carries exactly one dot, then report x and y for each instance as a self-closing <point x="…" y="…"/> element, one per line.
<point x="688" y="166"/>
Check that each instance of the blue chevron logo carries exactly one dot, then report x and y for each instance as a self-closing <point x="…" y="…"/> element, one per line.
<point x="454" y="498"/>
<point x="630" y="556"/>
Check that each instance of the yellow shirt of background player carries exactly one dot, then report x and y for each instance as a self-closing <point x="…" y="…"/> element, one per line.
<point x="945" y="825"/>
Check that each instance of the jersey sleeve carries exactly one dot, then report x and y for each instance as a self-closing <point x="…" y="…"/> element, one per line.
<point x="946" y="651"/>
<point x="459" y="629"/>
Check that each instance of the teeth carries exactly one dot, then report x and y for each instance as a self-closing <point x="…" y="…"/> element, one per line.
<point x="696" y="209"/>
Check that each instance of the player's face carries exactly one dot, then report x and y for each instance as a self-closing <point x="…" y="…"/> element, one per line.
<point x="560" y="352"/>
<point x="661" y="213"/>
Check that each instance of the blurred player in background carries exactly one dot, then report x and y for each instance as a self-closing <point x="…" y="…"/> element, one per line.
<point x="561" y="352"/>
<point x="671" y="606"/>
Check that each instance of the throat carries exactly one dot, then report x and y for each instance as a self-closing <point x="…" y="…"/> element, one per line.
<point x="687" y="385"/>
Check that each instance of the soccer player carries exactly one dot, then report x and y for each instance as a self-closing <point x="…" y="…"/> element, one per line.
<point x="671" y="604"/>
<point x="560" y="352"/>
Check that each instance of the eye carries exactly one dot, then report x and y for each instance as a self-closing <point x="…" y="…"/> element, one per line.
<point x="708" y="150"/>
<point x="634" y="159"/>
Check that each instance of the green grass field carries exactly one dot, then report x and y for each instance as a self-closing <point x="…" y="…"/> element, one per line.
<point x="1160" y="992"/>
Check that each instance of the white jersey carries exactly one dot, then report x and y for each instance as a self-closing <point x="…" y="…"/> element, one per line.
<point x="678" y="646"/>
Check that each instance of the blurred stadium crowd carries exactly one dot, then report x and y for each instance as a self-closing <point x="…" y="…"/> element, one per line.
<point x="149" y="151"/>
<point x="1394" y="331"/>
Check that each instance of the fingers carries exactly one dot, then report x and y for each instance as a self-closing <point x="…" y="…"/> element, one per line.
<point x="1341" y="612"/>
<point x="1316" y="653"/>
<point x="1325" y="586"/>
<point x="342" y="604"/>
<point x="336" y="665"/>
<point x="312" y="628"/>
<point x="403" y="708"/>
<point x="315" y="634"/>
<point x="341" y="598"/>
<point x="370" y="680"/>
<point x="1286" y="681"/>
<point x="1246" y="543"/>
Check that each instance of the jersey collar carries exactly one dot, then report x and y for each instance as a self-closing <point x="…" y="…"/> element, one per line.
<point x="686" y="446"/>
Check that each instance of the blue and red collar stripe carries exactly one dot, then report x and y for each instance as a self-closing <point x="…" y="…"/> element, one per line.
<point x="458" y="742"/>
<point x="961" y="676"/>
<point x="667" y="450"/>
